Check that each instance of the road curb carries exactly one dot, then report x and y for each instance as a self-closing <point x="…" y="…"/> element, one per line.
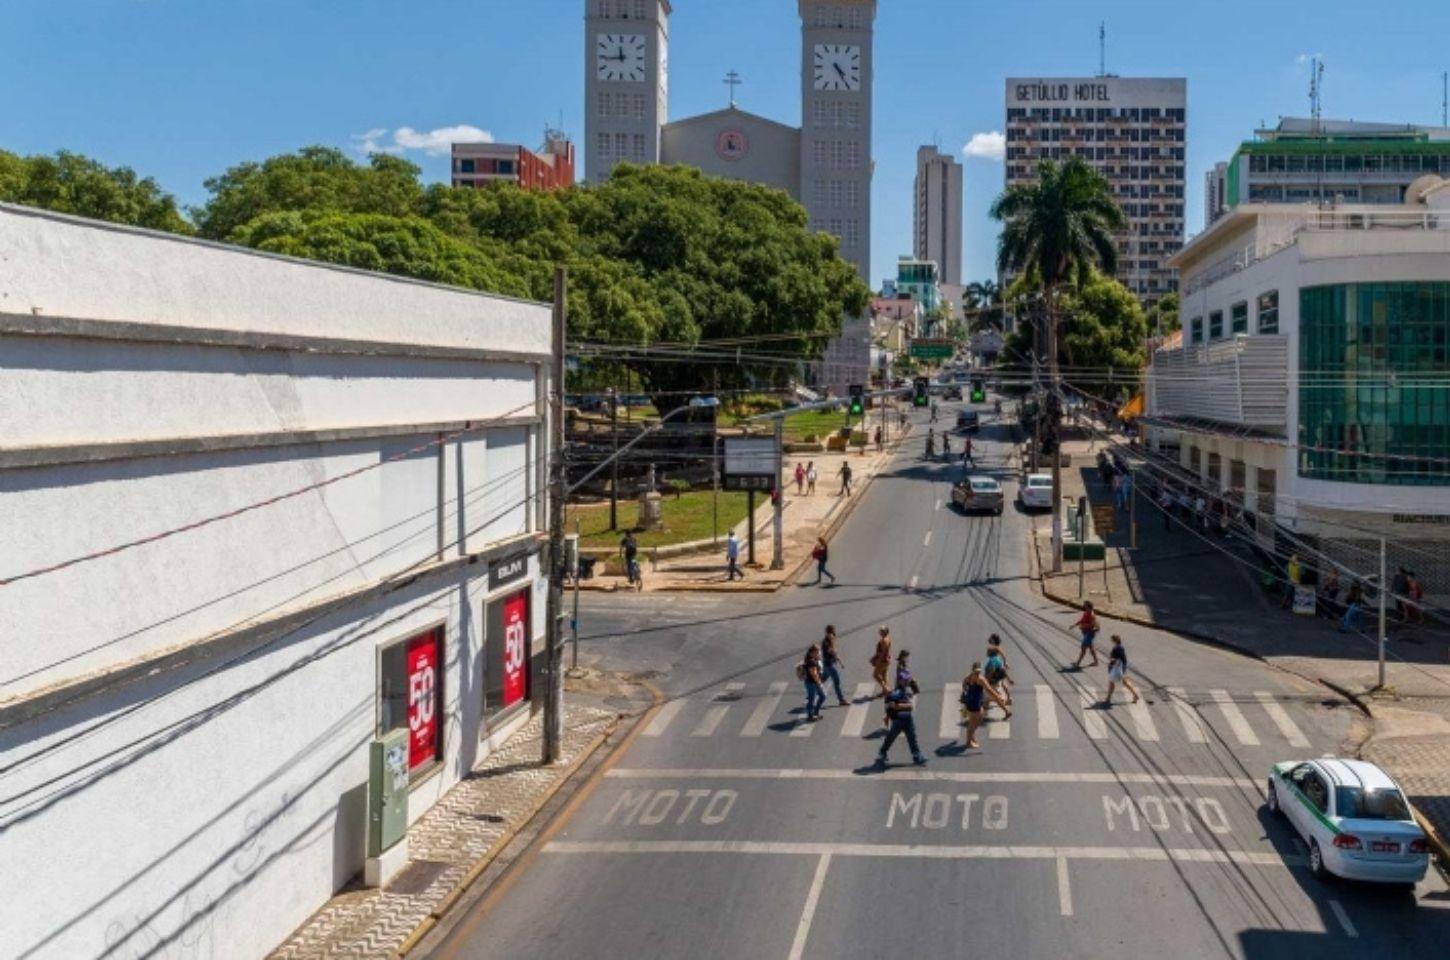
<point x="466" y="882"/>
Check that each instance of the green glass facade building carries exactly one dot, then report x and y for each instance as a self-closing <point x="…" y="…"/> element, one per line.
<point x="1374" y="377"/>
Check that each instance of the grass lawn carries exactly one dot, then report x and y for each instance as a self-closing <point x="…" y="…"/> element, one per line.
<point x="822" y="423"/>
<point x="686" y="518"/>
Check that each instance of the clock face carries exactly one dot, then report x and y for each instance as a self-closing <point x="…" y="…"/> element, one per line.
<point x="837" y="67"/>
<point x="620" y="56"/>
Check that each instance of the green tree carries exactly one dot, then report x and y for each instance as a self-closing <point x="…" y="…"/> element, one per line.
<point x="71" y="183"/>
<point x="984" y="305"/>
<point x="1103" y="327"/>
<point x="1163" y="315"/>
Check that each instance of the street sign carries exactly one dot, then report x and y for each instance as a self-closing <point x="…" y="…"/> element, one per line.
<point x="922" y="349"/>
<point x="1103" y="519"/>
<point x="749" y="463"/>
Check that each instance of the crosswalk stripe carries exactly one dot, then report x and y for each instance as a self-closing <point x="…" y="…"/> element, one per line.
<point x="663" y="717"/>
<point x="999" y="729"/>
<point x="1281" y="719"/>
<point x="951" y="711"/>
<point x="764" y="710"/>
<point x="1046" y="713"/>
<point x="856" y="712"/>
<point x="1143" y="721"/>
<point x="715" y="714"/>
<point x="1192" y="729"/>
<point x="1092" y="719"/>
<point x="1235" y="718"/>
<point x="803" y="727"/>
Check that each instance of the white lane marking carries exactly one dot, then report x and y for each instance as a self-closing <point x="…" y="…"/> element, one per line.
<point x="1046" y="713"/>
<point x="925" y="851"/>
<point x="1281" y="719"/>
<point x="999" y="730"/>
<point x="1343" y="919"/>
<point x="938" y="505"/>
<point x="803" y="727"/>
<point x="951" y="711"/>
<point x="1192" y="728"/>
<point x="813" y="896"/>
<point x="1235" y="718"/>
<point x="1092" y="718"/>
<point x="856" y="712"/>
<point x="663" y="717"/>
<point x="1064" y="888"/>
<point x="911" y="774"/>
<point x="912" y="584"/>
<point x="715" y="714"/>
<point x="926" y="539"/>
<point x="1142" y="720"/>
<point x="764" y="710"/>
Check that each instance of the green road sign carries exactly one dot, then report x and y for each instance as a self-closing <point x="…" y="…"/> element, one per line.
<point x="932" y="349"/>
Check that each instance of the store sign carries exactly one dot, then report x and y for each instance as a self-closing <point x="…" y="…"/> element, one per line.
<point x="1304" y="601"/>
<point x="507" y="570"/>
<point x="422" y="660"/>
<point x="515" y="649"/>
<point x="1434" y="519"/>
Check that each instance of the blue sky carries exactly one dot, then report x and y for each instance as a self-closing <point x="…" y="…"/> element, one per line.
<point x="181" y="89"/>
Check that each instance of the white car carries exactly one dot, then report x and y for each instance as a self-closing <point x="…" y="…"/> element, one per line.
<point x="1354" y="818"/>
<point x="1036" y="492"/>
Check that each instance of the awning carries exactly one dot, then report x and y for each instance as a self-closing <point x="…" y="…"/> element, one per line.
<point x="1132" y="409"/>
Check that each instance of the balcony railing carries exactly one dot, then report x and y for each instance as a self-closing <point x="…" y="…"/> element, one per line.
<point x="1243" y="381"/>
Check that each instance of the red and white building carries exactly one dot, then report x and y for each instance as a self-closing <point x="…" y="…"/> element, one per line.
<point x="551" y="167"/>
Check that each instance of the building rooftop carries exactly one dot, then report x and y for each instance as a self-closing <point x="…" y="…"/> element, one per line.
<point x="1305" y="128"/>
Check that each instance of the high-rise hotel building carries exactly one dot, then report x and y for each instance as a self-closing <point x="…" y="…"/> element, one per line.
<point x="1130" y="129"/>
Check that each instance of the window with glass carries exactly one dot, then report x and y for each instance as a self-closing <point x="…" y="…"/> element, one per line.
<point x="1268" y="311"/>
<point x="410" y="696"/>
<point x="1370" y="408"/>
<point x="1239" y="318"/>
<point x="1195" y="330"/>
<point x="1215" y="324"/>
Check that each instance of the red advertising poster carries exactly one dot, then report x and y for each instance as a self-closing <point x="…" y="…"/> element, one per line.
<point x="422" y="666"/>
<point x="515" y="648"/>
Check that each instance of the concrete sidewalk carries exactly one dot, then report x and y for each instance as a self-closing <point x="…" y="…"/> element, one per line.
<point x="804" y="517"/>
<point x="455" y="841"/>
<point x="1208" y="588"/>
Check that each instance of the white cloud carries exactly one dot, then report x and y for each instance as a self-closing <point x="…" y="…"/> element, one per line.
<point x="988" y="146"/>
<point x="436" y="142"/>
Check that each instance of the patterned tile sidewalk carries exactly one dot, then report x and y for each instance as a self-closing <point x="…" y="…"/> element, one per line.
<point x="1415" y="747"/>
<point x="465" y="826"/>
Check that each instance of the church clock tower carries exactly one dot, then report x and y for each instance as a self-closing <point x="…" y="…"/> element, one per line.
<point x="626" y="78"/>
<point x="836" y="90"/>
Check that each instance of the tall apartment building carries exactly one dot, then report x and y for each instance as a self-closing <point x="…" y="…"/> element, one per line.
<point x="1215" y="193"/>
<point x="551" y="167"/>
<point x="1334" y="161"/>
<point x="1133" y="130"/>
<point x="937" y="212"/>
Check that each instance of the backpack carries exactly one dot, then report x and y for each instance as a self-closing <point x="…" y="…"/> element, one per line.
<point x="800" y="670"/>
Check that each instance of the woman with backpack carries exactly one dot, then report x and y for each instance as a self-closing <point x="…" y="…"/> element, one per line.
<point x="881" y="659"/>
<point x="975" y="693"/>
<point x="820" y="554"/>
<point x="995" y="668"/>
<point x="809" y="671"/>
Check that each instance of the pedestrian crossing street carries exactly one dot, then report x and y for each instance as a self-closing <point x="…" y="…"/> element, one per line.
<point x="1039" y="711"/>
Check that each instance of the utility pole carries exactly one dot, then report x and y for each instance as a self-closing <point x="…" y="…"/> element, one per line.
<point x="614" y="439"/>
<point x="574" y="616"/>
<point x="777" y="553"/>
<point x="554" y="607"/>
<point x="1384" y="594"/>
<point x="1054" y="407"/>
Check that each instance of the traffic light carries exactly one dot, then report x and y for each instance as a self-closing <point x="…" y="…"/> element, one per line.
<point x="979" y="392"/>
<point x="857" y="393"/>
<point x="920" y="386"/>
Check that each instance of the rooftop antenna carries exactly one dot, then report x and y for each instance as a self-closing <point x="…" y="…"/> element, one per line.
<point x="1445" y="99"/>
<point x="732" y="80"/>
<point x="1102" y="48"/>
<point x="1316" y="91"/>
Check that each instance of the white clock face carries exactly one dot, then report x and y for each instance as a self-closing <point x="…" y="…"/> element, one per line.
<point x="620" y="56"/>
<point x="837" y="67"/>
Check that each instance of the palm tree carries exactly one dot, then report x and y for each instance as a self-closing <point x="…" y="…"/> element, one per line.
<point x="1058" y="229"/>
<point x="984" y="300"/>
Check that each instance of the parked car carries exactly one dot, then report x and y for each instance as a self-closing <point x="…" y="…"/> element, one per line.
<point x="1353" y="816"/>
<point x="1035" y="493"/>
<point x="967" y="420"/>
<point x="978" y="493"/>
<point x="952" y="393"/>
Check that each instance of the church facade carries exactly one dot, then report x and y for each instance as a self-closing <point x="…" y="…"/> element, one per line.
<point x="825" y="164"/>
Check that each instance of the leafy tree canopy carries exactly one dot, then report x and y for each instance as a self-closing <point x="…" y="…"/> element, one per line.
<point x="71" y="183"/>
<point x="1103" y="326"/>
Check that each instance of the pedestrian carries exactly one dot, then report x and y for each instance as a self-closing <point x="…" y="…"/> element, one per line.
<point x="930" y="444"/>
<point x="1400" y="588"/>
<point x="809" y="670"/>
<point x="967" y="452"/>
<point x="1124" y="489"/>
<point x="1118" y="672"/>
<point x="946" y="446"/>
<point x="900" y="705"/>
<point x="881" y="659"/>
<point x="976" y="690"/>
<point x="933" y="411"/>
<point x="820" y="554"/>
<point x="845" y="474"/>
<point x="879" y="447"/>
<point x="629" y="549"/>
<point x="831" y="663"/>
<point x="732" y="558"/>
<point x="1087" y="626"/>
<point x="1165" y="503"/>
<point x="1200" y="511"/>
<point x="995" y="668"/>
<point x="1292" y="573"/>
<point x="811" y="479"/>
<point x="800" y="478"/>
<point x="1329" y="592"/>
<point x="1353" y="603"/>
<point x="1415" y="592"/>
<point x="1185" y="505"/>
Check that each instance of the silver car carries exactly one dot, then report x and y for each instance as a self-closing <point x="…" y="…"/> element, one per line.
<point x="978" y="493"/>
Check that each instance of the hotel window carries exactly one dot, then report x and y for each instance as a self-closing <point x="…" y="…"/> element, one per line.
<point x="838" y="154"/>
<point x="853" y="155"/>
<point x="1239" y="318"/>
<point x="1269" y="312"/>
<point x="837" y="192"/>
<point x="853" y="194"/>
<point x="601" y="146"/>
<point x="818" y="152"/>
<point x="818" y="193"/>
<point x="1195" y="330"/>
<point x="621" y="146"/>
<point x="1215" y="324"/>
<point x="853" y="233"/>
<point x="834" y="226"/>
<point x="637" y="151"/>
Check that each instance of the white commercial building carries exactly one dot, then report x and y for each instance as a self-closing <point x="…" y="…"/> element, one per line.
<point x="257" y="512"/>
<point x="1310" y="386"/>
<point x="937" y="212"/>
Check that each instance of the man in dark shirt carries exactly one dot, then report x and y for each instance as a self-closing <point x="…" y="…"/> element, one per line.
<point x="899" y="708"/>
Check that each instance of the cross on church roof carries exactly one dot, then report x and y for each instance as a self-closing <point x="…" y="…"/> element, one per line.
<point x="732" y="80"/>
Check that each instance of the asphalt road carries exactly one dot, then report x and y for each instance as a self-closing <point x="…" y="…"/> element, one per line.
<point x="731" y="828"/>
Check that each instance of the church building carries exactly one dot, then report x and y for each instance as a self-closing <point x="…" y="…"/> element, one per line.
<point x="825" y="164"/>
